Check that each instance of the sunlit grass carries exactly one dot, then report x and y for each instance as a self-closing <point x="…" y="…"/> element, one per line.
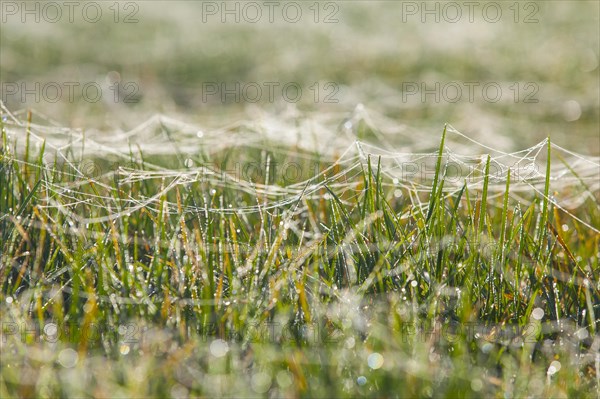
<point x="359" y="287"/>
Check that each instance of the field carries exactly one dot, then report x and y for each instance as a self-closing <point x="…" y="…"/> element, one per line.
<point x="377" y="235"/>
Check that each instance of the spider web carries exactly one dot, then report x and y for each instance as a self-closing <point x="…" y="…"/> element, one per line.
<point x="331" y="137"/>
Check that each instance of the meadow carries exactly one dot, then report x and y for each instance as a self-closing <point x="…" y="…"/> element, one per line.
<point x="367" y="240"/>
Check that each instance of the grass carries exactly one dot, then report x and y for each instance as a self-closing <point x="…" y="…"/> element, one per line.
<point x="135" y="283"/>
<point x="188" y="265"/>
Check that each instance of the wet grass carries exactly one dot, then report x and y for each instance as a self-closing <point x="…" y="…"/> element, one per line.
<point x="354" y="287"/>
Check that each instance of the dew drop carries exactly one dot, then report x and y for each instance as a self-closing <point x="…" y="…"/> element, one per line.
<point x="219" y="348"/>
<point x="537" y="313"/>
<point x="68" y="358"/>
<point x="124" y="349"/>
<point x="554" y="367"/>
<point x="375" y="360"/>
<point x="571" y="111"/>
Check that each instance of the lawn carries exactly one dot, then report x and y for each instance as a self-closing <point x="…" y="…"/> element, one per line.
<point x="382" y="245"/>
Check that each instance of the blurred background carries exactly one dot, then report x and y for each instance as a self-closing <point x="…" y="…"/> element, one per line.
<point x="507" y="73"/>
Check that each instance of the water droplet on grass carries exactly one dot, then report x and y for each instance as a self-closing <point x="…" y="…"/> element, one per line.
<point x="284" y="379"/>
<point x="50" y="329"/>
<point x="537" y="313"/>
<point x="124" y="349"/>
<point x="554" y="367"/>
<point x="68" y="358"/>
<point x="375" y="360"/>
<point x="178" y="391"/>
<point x="219" y="348"/>
<point x="261" y="382"/>
<point x="350" y="342"/>
<point x="476" y="384"/>
<point x="571" y="111"/>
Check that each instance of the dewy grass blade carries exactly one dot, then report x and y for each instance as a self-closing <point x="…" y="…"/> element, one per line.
<point x="438" y="167"/>
<point x="545" y="201"/>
